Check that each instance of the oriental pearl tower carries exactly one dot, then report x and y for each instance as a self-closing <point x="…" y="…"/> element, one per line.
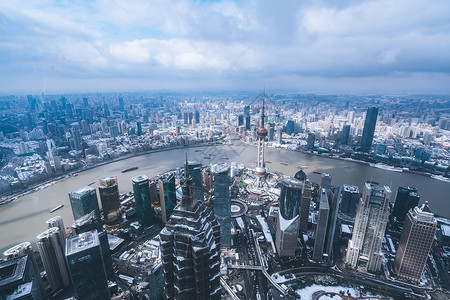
<point x="260" y="171"/>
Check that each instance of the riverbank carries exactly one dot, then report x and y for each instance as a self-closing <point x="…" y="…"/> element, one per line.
<point x="51" y="181"/>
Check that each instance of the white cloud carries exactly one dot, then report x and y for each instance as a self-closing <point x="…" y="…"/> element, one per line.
<point x="224" y="40"/>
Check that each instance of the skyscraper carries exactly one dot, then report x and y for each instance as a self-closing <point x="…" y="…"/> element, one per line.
<point x="288" y="216"/>
<point x="58" y="223"/>
<point x="310" y="141"/>
<point x="345" y="134"/>
<point x="83" y="201"/>
<point x="190" y="245"/>
<point x="37" y="286"/>
<point x="221" y="201"/>
<point x="87" y="270"/>
<point x="369" y="129"/>
<point x="195" y="170"/>
<point x="88" y="223"/>
<point x="304" y="206"/>
<point x="326" y="181"/>
<point x="415" y="243"/>
<point x="141" y="189"/>
<point x="364" y="249"/>
<point x="406" y="199"/>
<point x="76" y="135"/>
<point x="322" y="223"/>
<point x="19" y="279"/>
<point x="167" y="196"/>
<point x="350" y="199"/>
<point x="109" y="196"/>
<point x="52" y="255"/>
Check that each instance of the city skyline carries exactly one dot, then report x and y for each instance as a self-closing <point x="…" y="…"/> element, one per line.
<point x="369" y="46"/>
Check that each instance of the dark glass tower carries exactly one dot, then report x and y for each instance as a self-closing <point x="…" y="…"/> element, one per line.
<point x="195" y="171"/>
<point x="221" y="201"/>
<point x="288" y="216"/>
<point x="406" y="199"/>
<point x="369" y="129"/>
<point x="167" y="196"/>
<point x="190" y="245"/>
<point x="84" y="257"/>
<point x="83" y="201"/>
<point x="350" y="199"/>
<point x="141" y="189"/>
<point x="321" y="229"/>
<point x="345" y="134"/>
<point x="109" y="196"/>
<point x="88" y="223"/>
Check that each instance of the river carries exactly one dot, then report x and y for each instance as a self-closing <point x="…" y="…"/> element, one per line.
<point x="25" y="218"/>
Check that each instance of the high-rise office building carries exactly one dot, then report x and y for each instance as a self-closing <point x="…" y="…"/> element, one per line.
<point x="310" y="141"/>
<point x="326" y="181"/>
<point x="406" y="199"/>
<point x="288" y="216"/>
<point x="322" y="223"/>
<point x="369" y="129"/>
<point x="195" y="170"/>
<point x="58" y="223"/>
<point x="76" y="136"/>
<point x="19" y="279"/>
<point x="87" y="270"/>
<point x="88" y="223"/>
<point x="141" y="189"/>
<point x="37" y="287"/>
<point x="221" y="201"/>
<point x="334" y="197"/>
<point x="52" y="255"/>
<point x="304" y="206"/>
<point x="364" y="249"/>
<point x="190" y="246"/>
<point x="110" y="199"/>
<point x="350" y="199"/>
<point x="415" y="243"/>
<point x="167" y="196"/>
<point x="83" y="201"/>
<point x="345" y="134"/>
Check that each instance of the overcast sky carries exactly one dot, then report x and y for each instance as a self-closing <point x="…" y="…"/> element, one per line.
<point x="344" y="46"/>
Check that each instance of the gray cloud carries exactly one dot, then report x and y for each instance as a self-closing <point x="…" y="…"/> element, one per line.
<point x="221" y="43"/>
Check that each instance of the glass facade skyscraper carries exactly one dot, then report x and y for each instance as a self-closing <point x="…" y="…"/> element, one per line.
<point x="369" y="129"/>
<point x="87" y="270"/>
<point x="83" y="201"/>
<point x="406" y="199"/>
<point x="350" y="199"/>
<point x="345" y="134"/>
<point x="167" y="196"/>
<point x="321" y="229"/>
<point x="221" y="201"/>
<point x="195" y="171"/>
<point x="288" y="216"/>
<point x="141" y="189"/>
<point x="109" y="196"/>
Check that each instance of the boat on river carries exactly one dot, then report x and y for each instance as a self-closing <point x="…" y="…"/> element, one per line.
<point x="129" y="169"/>
<point x="56" y="208"/>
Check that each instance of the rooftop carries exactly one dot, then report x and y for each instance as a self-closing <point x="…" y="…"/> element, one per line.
<point x="351" y="188"/>
<point x="292" y="183"/>
<point x="221" y="167"/>
<point x="12" y="270"/>
<point x="139" y="178"/>
<point x="82" y="242"/>
<point x="82" y="191"/>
